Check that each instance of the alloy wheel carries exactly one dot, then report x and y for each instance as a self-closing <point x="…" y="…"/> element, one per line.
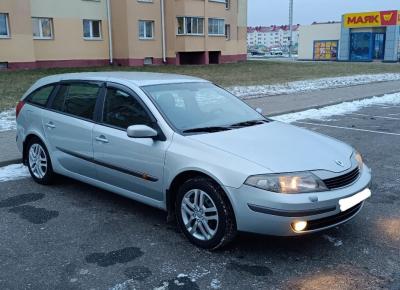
<point x="37" y="161"/>
<point x="199" y="214"/>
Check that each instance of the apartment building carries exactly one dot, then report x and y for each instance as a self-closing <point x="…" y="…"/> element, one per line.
<point x="59" y="33"/>
<point x="272" y="36"/>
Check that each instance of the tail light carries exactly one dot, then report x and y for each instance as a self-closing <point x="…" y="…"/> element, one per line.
<point x="19" y="107"/>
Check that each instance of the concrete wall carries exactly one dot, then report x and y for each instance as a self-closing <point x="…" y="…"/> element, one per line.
<point x="19" y="46"/>
<point x="127" y="13"/>
<point x="311" y="33"/>
<point x="69" y="48"/>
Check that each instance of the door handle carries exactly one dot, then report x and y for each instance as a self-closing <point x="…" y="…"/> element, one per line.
<point x="102" y="139"/>
<point x="50" y="125"/>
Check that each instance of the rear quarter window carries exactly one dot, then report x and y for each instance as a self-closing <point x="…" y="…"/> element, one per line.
<point x="77" y="99"/>
<point x="41" y="96"/>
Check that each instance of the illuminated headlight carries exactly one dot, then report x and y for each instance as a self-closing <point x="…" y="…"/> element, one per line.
<point x="359" y="159"/>
<point x="301" y="182"/>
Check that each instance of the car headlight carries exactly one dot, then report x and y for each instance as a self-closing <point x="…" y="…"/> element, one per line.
<point x="359" y="159"/>
<point x="301" y="182"/>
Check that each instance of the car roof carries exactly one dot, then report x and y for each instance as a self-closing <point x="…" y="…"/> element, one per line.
<point x="137" y="78"/>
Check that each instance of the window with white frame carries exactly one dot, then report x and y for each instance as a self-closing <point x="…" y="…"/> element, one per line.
<point x="216" y="26"/>
<point x="227" y="31"/>
<point x="42" y="28"/>
<point x="227" y="4"/>
<point x="146" y="29"/>
<point x="4" y="28"/>
<point x="91" y="29"/>
<point x="190" y="26"/>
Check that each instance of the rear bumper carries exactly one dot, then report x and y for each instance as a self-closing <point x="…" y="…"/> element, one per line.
<point x="262" y="212"/>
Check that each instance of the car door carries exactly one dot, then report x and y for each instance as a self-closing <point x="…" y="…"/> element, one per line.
<point x="68" y="126"/>
<point x="132" y="164"/>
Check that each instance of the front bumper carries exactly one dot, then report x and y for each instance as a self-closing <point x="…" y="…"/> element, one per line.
<point x="262" y="212"/>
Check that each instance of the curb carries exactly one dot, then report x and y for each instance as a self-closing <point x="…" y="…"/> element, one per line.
<point x="10" y="162"/>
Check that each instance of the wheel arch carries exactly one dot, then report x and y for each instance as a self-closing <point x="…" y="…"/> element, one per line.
<point x="28" y="138"/>
<point x="182" y="177"/>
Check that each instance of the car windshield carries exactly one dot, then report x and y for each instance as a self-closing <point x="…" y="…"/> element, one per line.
<point x="202" y="107"/>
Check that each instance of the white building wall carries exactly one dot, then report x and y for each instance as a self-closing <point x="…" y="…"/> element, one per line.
<point x="310" y="33"/>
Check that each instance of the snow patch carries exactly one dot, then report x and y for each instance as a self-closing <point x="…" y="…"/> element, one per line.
<point x="215" y="284"/>
<point x="13" y="172"/>
<point x="336" y="242"/>
<point x="339" y="109"/>
<point x="7" y="121"/>
<point x="248" y="92"/>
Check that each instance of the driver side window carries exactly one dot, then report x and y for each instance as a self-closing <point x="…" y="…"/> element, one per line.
<point x="123" y="110"/>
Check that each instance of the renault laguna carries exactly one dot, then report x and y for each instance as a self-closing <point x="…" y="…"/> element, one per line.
<point x="191" y="148"/>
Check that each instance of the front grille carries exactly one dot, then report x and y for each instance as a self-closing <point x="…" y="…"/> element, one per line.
<point x="342" y="180"/>
<point x="333" y="220"/>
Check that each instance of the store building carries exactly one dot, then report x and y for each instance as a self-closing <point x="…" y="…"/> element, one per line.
<point x="59" y="33"/>
<point x="369" y="36"/>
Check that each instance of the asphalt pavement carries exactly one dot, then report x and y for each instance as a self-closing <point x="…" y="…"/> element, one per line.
<point x="74" y="236"/>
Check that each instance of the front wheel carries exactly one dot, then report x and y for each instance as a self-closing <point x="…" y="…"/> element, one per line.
<point x="39" y="163"/>
<point x="204" y="214"/>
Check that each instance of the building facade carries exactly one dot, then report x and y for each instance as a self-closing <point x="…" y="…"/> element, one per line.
<point x="367" y="36"/>
<point x="272" y="36"/>
<point x="59" y="33"/>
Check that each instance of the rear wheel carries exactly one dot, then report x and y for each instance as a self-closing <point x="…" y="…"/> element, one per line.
<point x="39" y="163"/>
<point x="204" y="214"/>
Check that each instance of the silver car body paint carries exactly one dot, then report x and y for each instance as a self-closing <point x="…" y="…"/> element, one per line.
<point x="228" y="157"/>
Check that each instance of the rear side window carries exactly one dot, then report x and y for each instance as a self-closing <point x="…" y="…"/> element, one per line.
<point x="123" y="110"/>
<point x="77" y="99"/>
<point x="41" y="96"/>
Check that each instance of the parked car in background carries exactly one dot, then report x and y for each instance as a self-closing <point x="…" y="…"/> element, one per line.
<point x="189" y="147"/>
<point x="276" y="51"/>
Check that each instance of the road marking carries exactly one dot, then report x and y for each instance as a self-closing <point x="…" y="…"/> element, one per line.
<point x="380" y="117"/>
<point x="347" y="128"/>
<point x="387" y="106"/>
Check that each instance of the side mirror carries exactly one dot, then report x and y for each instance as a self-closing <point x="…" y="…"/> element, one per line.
<point x="259" y="110"/>
<point x="141" y="131"/>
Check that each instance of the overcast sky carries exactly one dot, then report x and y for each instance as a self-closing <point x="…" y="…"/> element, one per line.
<point x="268" y="12"/>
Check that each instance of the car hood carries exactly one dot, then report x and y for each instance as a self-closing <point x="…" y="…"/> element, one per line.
<point x="281" y="147"/>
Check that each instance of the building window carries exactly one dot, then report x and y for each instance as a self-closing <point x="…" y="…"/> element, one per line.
<point x="146" y="29"/>
<point x="227" y="4"/>
<point x="92" y="29"/>
<point x="227" y="31"/>
<point x="4" y="28"/>
<point x="325" y="50"/>
<point x="42" y="28"/>
<point x="190" y="26"/>
<point x="216" y="26"/>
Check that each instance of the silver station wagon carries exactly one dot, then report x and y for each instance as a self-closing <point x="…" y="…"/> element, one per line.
<point x="189" y="147"/>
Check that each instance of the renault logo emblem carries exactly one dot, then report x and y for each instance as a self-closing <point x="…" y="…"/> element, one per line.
<point x="340" y="163"/>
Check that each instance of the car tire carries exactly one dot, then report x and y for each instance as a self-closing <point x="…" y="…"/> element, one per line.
<point x="212" y="212"/>
<point x="38" y="162"/>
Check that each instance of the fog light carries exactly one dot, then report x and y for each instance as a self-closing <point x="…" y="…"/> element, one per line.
<point x="299" y="226"/>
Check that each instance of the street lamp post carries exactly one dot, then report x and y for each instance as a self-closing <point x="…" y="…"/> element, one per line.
<point x="290" y="27"/>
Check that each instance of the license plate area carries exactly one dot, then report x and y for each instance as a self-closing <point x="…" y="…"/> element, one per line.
<point x="352" y="201"/>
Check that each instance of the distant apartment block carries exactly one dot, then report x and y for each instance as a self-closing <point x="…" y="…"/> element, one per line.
<point x="60" y="33"/>
<point x="272" y="36"/>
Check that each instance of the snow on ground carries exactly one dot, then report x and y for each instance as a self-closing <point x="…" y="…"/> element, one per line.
<point x="248" y="92"/>
<point x="340" y="109"/>
<point x="13" y="172"/>
<point x="7" y="121"/>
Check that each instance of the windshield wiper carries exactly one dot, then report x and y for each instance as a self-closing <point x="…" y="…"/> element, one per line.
<point x="207" y="130"/>
<point x="249" y="123"/>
